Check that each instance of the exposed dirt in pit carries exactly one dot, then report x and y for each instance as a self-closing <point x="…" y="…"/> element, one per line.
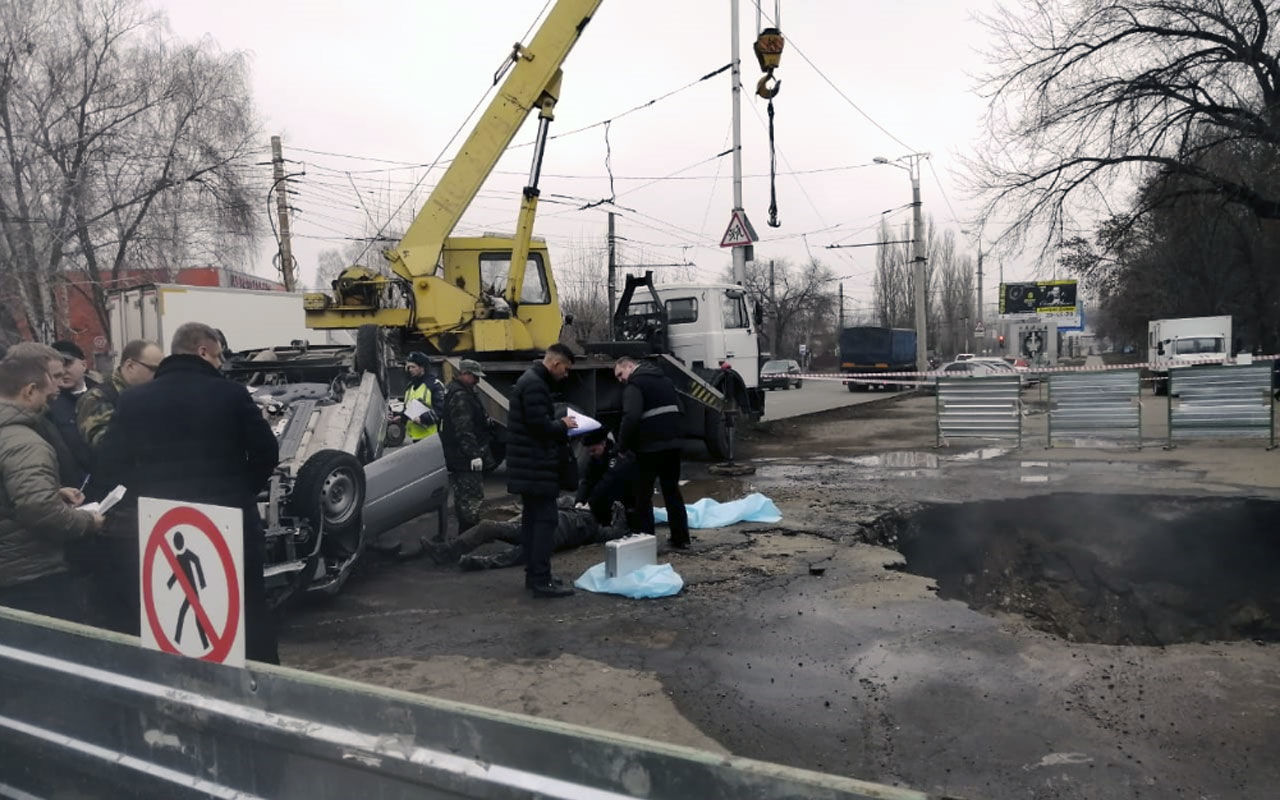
<point x="1106" y="569"/>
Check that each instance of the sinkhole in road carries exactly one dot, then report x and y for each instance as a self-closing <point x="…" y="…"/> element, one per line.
<point x="1141" y="570"/>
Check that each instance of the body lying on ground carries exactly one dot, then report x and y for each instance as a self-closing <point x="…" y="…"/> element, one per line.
<point x="575" y="527"/>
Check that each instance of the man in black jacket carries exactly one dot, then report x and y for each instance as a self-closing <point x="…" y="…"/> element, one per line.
<point x="74" y="383"/>
<point x="535" y="451"/>
<point x="190" y="434"/>
<point x="651" y="429"/>
<point x="606" y="476"/>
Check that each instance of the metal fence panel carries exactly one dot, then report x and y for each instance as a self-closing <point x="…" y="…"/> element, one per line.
<point x="85" y="713"/>
<point x="1096" y="405"/>
<point x="1221" y="401"/>
<point x="979" y="408"/>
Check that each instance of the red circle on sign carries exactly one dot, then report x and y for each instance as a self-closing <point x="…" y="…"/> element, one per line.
<point x="186" y="515"/>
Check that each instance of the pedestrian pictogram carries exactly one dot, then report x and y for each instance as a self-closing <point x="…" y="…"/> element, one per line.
<point x="739" y="233"/>
<point x="192" y="579"/>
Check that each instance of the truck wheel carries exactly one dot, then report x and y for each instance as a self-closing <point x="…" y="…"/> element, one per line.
<point x="371" y="354"/>
<point x="716" y="435"/>
<point x="330" y="491"/>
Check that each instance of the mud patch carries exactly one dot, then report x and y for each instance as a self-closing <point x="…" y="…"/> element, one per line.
<point x="1108" y="569"/>
<point x="567" y="688"/>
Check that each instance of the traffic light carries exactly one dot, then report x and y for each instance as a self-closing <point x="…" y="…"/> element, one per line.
<point x="1000" y="339"/>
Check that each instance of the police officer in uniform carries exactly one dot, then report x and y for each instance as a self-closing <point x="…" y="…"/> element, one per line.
<point x="465" y="434"/>
<point x="651" y="428"/>
<point x="423" y="425"/>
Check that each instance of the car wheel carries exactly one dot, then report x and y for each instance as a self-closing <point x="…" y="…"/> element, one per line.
<point x="330" y="491"/>
<point x="371" y="354"/>
<point x="716" y="436"/>
<point x="799" y="384"/>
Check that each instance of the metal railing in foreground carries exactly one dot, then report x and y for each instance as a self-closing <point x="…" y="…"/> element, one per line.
<point x="89" y="713"/>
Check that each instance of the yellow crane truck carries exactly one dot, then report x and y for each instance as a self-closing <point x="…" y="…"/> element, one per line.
<point x="494" y="298"/>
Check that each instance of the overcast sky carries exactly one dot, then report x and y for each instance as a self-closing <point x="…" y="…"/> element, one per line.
<point x="366" y="88"/>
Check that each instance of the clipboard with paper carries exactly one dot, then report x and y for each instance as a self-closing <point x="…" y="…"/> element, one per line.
<point x="107" y="503"/>
<point x="585" y="424"/>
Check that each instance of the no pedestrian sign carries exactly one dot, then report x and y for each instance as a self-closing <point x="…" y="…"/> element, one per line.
<point x="192" y="586"/>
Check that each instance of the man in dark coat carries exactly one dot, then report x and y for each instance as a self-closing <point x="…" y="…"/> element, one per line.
<point x="190" y="434"/>
<point x="73" y="385"/>
<point x="535" y="450"/>
<point x="651" y="428"/>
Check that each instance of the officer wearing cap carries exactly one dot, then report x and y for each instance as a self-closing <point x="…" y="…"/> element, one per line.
<point x="423" y="424"/>
<point x="465" y="434"/>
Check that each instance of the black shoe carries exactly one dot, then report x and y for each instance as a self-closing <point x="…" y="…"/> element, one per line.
<point x="551" y="589"/>
<point x="554" y="579"/>
<point x="678" y="544"/>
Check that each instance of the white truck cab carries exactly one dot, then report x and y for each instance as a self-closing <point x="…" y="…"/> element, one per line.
<point x="709" y="324"/>
<point x="1183" y="342"/>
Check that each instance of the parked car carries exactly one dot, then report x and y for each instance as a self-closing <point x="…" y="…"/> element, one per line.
<point x="337" y="485"/>
<point x="780" y="373"/>
<point x="1001" y="366"/>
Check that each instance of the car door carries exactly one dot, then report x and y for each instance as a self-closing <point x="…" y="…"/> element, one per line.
<point x="740" y="348"/>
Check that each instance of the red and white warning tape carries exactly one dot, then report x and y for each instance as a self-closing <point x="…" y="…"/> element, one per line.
<point x="927" y="378"/>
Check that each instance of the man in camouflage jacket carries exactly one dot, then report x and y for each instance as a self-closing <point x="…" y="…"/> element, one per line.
<point x="138" y="363"/>
<point x="465" y="435"/>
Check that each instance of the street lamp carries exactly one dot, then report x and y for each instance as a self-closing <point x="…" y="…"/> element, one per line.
<point x="917" y="254"/>
<point x="968" y="232"/>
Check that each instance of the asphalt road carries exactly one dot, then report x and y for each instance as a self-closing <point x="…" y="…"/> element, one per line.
<point x="812" y="397"/>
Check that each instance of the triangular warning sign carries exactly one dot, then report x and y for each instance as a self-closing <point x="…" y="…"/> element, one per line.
<point x="739" y="233"/>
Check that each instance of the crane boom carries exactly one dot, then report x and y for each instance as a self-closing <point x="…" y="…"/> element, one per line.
<point x="534" y="74"/>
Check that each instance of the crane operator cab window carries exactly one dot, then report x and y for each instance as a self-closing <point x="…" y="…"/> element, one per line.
<point x="494" y="268"/>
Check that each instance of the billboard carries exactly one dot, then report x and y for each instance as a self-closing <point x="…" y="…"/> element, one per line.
<point x="1041" y="297"/>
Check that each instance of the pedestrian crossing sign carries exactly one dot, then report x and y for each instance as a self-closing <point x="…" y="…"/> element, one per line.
<point x="739" y="233"/>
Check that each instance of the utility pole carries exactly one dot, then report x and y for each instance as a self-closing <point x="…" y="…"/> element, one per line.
<point x="282" y="211"/>
<point x="841" y="285"/>
<point x="613" y="270"/>
<point x="917" y="257"/>
<point x="735" y="71"/>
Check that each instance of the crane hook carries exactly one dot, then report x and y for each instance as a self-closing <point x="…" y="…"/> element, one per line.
<point x="765" y="90"/>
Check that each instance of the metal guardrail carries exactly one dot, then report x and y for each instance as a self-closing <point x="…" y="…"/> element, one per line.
<point x="1219" y="402"/>
<point x="88" y="713"/>
<point x="979" y="408"/>
<point x="1095" y="405"/>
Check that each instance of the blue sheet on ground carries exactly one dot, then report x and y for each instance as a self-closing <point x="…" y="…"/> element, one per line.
<point x="654" y="580"/>
<point x="707" y="513"/>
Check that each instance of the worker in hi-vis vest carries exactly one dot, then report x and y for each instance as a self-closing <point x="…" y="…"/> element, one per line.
<point x="419" y="389"/>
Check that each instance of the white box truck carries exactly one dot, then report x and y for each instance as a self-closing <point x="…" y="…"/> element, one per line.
<point x="1185" y="342"/>
<point x="249" y="319"/>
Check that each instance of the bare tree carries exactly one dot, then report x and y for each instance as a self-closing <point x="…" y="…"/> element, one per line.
<point x="580" y="274"/>
<point x="122" y="148"/>
<point x="800" y="301"/>
<point x="1089" y="96"/>
<point x="894" y="284"/>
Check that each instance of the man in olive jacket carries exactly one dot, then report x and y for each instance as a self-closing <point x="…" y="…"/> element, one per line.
<point x="534" y="455"/>
<point x="651" y="428"/>
<point x="37" y="514"/>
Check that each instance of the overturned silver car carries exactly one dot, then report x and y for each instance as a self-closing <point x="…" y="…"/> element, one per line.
<point x="337" y="486"/>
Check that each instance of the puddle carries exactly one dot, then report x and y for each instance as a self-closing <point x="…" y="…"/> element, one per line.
<point x="1140" y="570"/>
